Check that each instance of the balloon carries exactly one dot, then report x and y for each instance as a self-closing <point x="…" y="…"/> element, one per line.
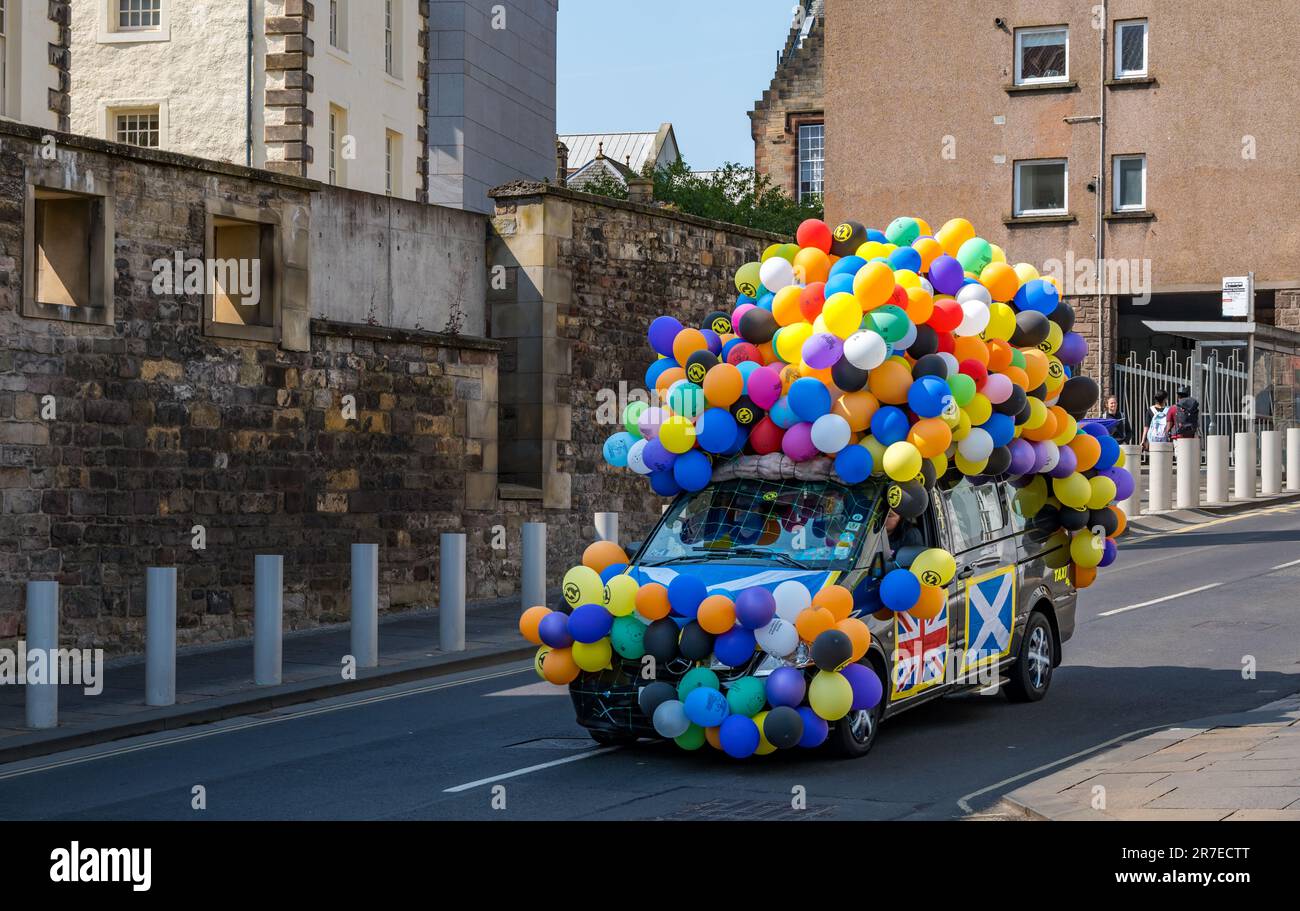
<point x="902" y="461"/>
<point x="815" y="728"/>
<point x="927" y="396"/>
<point x="812" y="622"/>
<point x="723" y="384"/>
<point x="716" y="615"/>
<point x="763" y="387"/>
<point x="791" y="599"/>
<point x="1073" y="491"/>
<point x="859" y="634"/>
<point x="783" y="727"/>
<point x="661" y="640"/>
<point x="652" y="601"/>
<point x="889" y="425"/>
<point x="797" y="442"/>
<point x="976" y="446"/>
<point x="946" y="274"/>
<point x="592" y="656"/>
<point x="973" y="255"/>
<point x="830" y="433"/>
<point x="589" y="623"/>
<point x="628" y="638"/>
<point x="755" y="607"/>
<point x="582" y="585"/>
<point x="779" y="638"/>
<point x="873" y="285"/>
<point x="835" y="598"/>
<point x="865" y="350"/>
<point x="809" y="399"/>
<point x="747" y="696"/>
<point x="695" y="644"/>
<point x="1103" y="492"/>
<point x="695" y="678"/>
<point x="853" y="464"/>
<point x="785" y="686"/>
<point x="832" y="649"/>
<point x="706" y="707"/>
<point x="815" y="233"/>
<point x="899" y="589"/>
<point x="739" y="737"/>
<point x="1087" y="549"/>
<point x="934" y="566"/>
<point x="654" y="695"/>
<point x="692" y="471"/>
<point x="890" y="382"/>
<point x="600" y="555"/>
<point x="830" y="695"/>
<point x="558" y="667"/>
<point x="866" y="686"/>
<point x="735" y="647"/>
<point x="529" y="622"/>
<point x="670" y="719"/>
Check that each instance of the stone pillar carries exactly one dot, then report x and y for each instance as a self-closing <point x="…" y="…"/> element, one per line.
<point x="287" y="115"/>
<point x="641" y="190"/>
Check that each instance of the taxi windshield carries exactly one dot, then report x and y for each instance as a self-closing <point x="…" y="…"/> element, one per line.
<point x="810" y="525"/>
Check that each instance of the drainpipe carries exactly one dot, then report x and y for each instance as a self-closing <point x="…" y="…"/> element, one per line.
<point x="1107" y="379"/>
<point x="248" y="92"/>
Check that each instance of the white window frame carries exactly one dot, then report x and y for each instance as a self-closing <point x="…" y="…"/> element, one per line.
<point x="1021" y="33"/>
<point x="336" y="126"/>
<point x="109" y="108"/>
<point x="1115" y="182"/>
<point x="1120" y="72"/>
<point x="338" y="23"/>
<point x="119" y="113"/>
<point x="108" y="31"/>
<point x="1019" y="211"/>
<point x="799" y="161"/>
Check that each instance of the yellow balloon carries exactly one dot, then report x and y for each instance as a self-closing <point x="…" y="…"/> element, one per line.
<point x="953" y="234"/>
<point x="842" y="314"/>
<point x="934" y="566"/>
<point x="967" y="467"/>
<point x="940" y="463"/>
<point x="1103" y="492"/>
<point x="620" y="595"/>
<point x="907" y="278"/>
<point x="1026" y="272"/>
<point x="979" y="410"/>
<point x="789" y="342"/>
<point x="1052" y="343"/>
<point x="748" y="280"/>
<point x="962" y="430"/>
<point x="764" y="745"/>
<point x="539" y="658"/>
<point x="1030" y="499"/>
<point x="1087" y="549"/>
<point x="592" y="656"/>
<point x="1002" y="323"/>
<point x="772" y="250"/>
<point x="582" y="585"/>
<point x="677" y="434"/>
<point x="1057" y="549"/>
<point x="873" y="285"/>
<point x="1037" y="414"/>
<point x="902" y="461"/>
<point x="1073" y="491"/>
<point x="872" y="249"/>
<point x="1068" y="432"/>
<point x="830" y="695"/>
<point x="877" y="450"/>
<point x="999" y="255"/>
<point x="1123" y="457"/>
<point x="1055" y="375"/>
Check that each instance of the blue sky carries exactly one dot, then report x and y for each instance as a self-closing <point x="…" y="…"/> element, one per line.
<point x="629" y="65"/>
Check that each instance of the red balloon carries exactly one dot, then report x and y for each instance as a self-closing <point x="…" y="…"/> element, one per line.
<point x="976" y="371"/>
<point x="766" y="437"/>
<point x="812" y="300"/>
<point x="815" y="233"/>
<point x="899" y="298"/>
<point x="947" y="343"/>
<point x="947" y="316"/>
<point x="744" y="352"/>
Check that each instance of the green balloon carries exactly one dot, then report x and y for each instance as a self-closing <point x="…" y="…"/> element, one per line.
<point x="628" y="637"/>
<point x="686" y="399"/>
<point x="631" y="414"/>
<point x="891" y="322"/>
<point x="975" y="254"/>
<point x="747" y="696"/>
<point x="696" y="678"/>
<point x="693" y="739"/>
<point x="963" y="389"/>
<point x="1018" y="358"/>
<point x="788" y="251"/>
<point x="902" y="231"/>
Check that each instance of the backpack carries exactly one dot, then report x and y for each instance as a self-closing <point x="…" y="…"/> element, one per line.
<point x="1187" y="418"/>
<point x="1159" y="432"/>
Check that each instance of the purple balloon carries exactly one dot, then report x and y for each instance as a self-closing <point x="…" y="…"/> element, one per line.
<point x="1074" y="348"/>
<point x="1123" y="482"/>
<point x="1041" y="454"/>
<point x="946" y="274"/>
<point x="797" y="442"/>
<point x="1022" y="457"/>
<point x="1109" y="551"/>
<point x="554" y="630"/>
<point x="867" y="690"/>
<point x="755" y="607"/>
<point x="657" y="457"/>
<point x="713" y="340"/>
<point x="1068" y="464"/>
<point x="786" y="686"/>
<point x="662" y="333"/>
<point x="815" y="728"/>
<point x="823" y="350"/>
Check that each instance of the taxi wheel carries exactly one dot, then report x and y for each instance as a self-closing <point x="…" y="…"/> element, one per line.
<point x="1031" y="674"/>
<point x="852" y="736"/>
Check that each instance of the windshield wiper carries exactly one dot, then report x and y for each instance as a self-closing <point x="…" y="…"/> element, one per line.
<point x="697" y="553"/>
<point x="778" y="556"/>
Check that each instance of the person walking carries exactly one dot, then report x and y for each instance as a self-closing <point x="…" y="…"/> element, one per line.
<point x="1121" y="430"/>
<point x="1185" y="416"/>
<point x="1157" y="426"/>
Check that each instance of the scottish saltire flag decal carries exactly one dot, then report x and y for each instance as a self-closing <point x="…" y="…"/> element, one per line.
<point x="730" y="578"/>
<point x="920" y="653"/>
<point x="990" y="614"/>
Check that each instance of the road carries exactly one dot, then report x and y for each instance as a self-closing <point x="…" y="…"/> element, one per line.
<point x="437" y="749"/>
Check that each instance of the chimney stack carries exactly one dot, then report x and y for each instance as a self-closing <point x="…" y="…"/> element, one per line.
<point x="561" y="163"/>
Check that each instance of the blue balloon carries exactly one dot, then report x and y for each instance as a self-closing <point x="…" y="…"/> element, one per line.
<point x="847" y="264"/>
<point x="742" y="437"/>
<point x="1109" y="453"/>
<point x="738" y="736"/>
<point x="1038" y="295"/>
<point x="927" y="397"/>
<point x="746" y="368"/>
<point x="878" y="236"/>
<point x="735" y="647"/>
<point x="662" y="483"/>
<point x="614" y="569"/>
<point x="715" y="430"/>
<point x="905" y="258"/>
<point x="900" y="589"/>
<point x="786" y="686"/>
<point x="765" y="302"/>
<point x="1001" y="427"/>
<point x="853" y="464"/>
<point x="782" y="414"/>
<point x="616" y="447"/>
<point x="662" y="333"/>
<point x="657" y="457"/>
<point x="693" y="470"/>
<point x="815" y="728"/>
<point x="839" y="284"/>
<point x="656" y="370"/>
<point x="741" y="300"/>
<point x="554" y="630"/>
<point x="712" y="339"/>
<point x="706" y="707"/>
<point x="590" y="623"/>
<point x="809" y="398"/>
<point x="889" y="425"/>
<point x="685" y="593"/>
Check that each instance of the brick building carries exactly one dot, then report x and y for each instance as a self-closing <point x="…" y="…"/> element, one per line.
<point x="788" y="123"/>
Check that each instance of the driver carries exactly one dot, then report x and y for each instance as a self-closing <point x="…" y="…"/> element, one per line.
<point x="901" y="533"/>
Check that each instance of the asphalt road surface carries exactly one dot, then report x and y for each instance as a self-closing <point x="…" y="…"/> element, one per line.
<point x="1225" y="596"/>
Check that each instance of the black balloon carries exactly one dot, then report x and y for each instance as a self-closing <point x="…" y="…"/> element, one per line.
<point x="1105" y="518"/>
<point x="758" y="326"/>
<point x="696" y="644"/>
<point x="698" y="364"/>
<point x="1032" y="329"/>
<point x="927" y="342"/>
<point x="1078" y="395"/>
<point x="847" y="377"/>
<point x="832" y="649"/>
<point x="930" y="365"/>
<point x="655" y="695"/>
<point x="909" y="499"/>
<point x="1024" y="414"/>
<point x="1063" y="316"/>
<point x="930" y="476"/>
<point x="999" y="461"/>
<point x="951" y="478"/>
<point x="661" y="640"/>
<point x="1046" y="520"/>
<point x="1039" y="392"/>
<point x="783" y="727"/>
<point x="846" y="238"/>
<point x="746" y="413"/>
<point x="1015" y="402"/>
<point x="1073" y="519"/>
<point x="719" y="322"/>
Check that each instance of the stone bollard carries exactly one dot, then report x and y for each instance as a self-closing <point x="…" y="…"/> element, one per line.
<point x="1244" y="476"/>
<point x="1270" y="462"/>
<point x="1216" y="468"/>
<point x="1161" y="472"/>
<point x="160" y="641"/>
<point x="1293" y="458"/>
<point x="1187" y="452"/>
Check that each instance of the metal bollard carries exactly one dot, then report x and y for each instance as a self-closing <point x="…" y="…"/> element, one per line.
<point x="1133" y="463"/>
<point x="268" y="618"/>
<point x="607" y="526"/>
<point x="1270" y="462"/>
<point x="1244" y="480"/>
<point x="1216" y="467"/>
<point x="451" y="594"/>
<point x="43" y="635"/>
<point x="1187" y="452"/>
<point x="1161" y="471"/>
<point x="1293" y="458"/>
<point x="532" y="587"/>
<point x="160" y="641"/>
<point x="365" y="604"/>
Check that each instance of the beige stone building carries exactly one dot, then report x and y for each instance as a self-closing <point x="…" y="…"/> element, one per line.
<point x="1154" y="138"/>
<point x="332" y="90"/>
<point x="789" y="122"/>
<point x="34" y="62"/>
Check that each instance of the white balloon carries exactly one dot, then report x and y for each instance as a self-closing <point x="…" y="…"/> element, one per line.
<point x="950" y="360"/>
<point x="865" y="350"/>
<point x="975" y="318"/>
<point x="1053" y="455"/>
<point x="636" y="457"/>
<point x="830" y="434"/>
<point x="792" y="598"/>
<point x="929" y="288"/>
<point x="670" y="719"/>
<point x="778" y="638"/>
<point x="908" y="340"/>
<point x="974" y="292"/>
<point x="776" y="273"/>
<point x="976" y="446"/>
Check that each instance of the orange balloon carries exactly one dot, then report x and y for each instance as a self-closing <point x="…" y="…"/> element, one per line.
<point x="785" y="305"/>
<point x="873" y="286"/>
<point x="823" y="375"/>
<point x="920" y="306"/>
<point x="789" y="374"/>
<point x="767" y="353"/>
<point x="724" y="384"/>
<point x="889" y="382"/>
<point x="1036" y="364"/>
<point x="931" y="436"/>
<point x="930" y="250"/>
<point x="717" y="614"/>
<point x="1086" y="450"/>
<point x="668" y="377"/>
<point x="859" y="634"/>
<point x="837" y="599"/>
<point x="811" y="265"/>
<point x="930" y="603"/>
<point x="812" y="622"/>
<point x="857" y="408"/>
<point x="1017" y="376"/>
<point x="971" y="348"/>
<point x="559" y="667"/>
<point x="1046" y="431"/>
<point x="1001" y="281"/>
<point x="999" y="355"/>
<point x="1084" y="575"/>
<point x="601" y="555"/>
<point x="687" y="342"/>
<point x="1123" y="521"/>
<point x="530" y="620"/>
<point x="652" y="601"/>
<point x="714" y="737"/>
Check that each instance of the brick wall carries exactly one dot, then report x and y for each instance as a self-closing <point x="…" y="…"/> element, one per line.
<point x="796" y="96"/>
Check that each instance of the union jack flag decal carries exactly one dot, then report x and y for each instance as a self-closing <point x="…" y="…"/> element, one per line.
<point x="920" y="653"/>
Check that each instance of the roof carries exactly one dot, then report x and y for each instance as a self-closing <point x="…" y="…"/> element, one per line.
<point x="579" y="178"/>
<point x="639" y="147"/>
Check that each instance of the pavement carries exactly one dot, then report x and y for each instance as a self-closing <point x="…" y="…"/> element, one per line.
<point x="1161" y="638"/>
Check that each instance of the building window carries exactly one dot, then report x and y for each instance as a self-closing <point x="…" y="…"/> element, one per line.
<point x="1130" y="179"/>
<point x="1130" y="48"/>
<point x="68" y="245"/>
<point x="392" y="163"/>
<point x="242" y="257"/>
<point x="812" y="159"/>
<point x="137" y="128"/>
<point x="392" y="38"/>
<point x="1042" y="55"/>
<point x="139" y="15"/>
<point x="338" y="135"/>
<point x="1041" y="187"/>
<point x="339" y="24"/>
<point x="4" y="58"/>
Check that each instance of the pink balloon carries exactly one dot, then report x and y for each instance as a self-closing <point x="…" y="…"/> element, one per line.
<point x="764" y="387"/>
<point x="998" y="388"/>
<point x="739" y="312"/>
<point x="797" y="442"/>
<point x="649" y="423"/>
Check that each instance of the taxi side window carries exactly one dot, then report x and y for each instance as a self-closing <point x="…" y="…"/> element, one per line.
<point x="977" y="515"/>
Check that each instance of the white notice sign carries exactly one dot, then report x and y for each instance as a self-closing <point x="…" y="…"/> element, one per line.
<point x="1236" y="295"/>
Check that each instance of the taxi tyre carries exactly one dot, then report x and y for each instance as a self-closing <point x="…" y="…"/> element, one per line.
<point x="853" y="736"/>
<point x="1031" y="673"/>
